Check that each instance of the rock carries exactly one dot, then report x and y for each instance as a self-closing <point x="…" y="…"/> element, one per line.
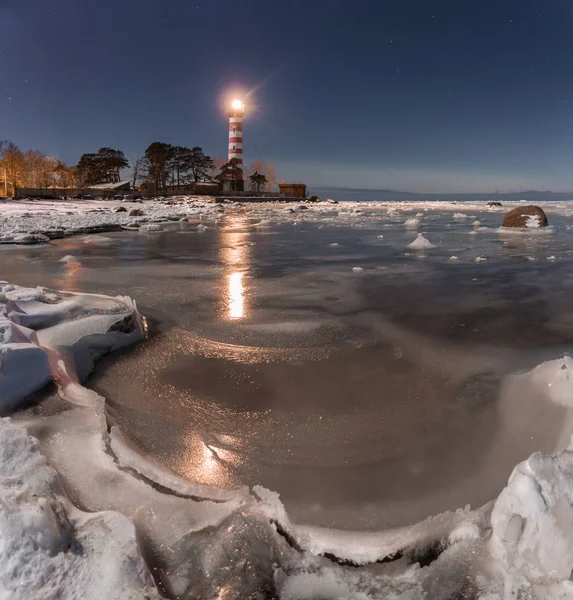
<point x="136" y="213"/>
<point x="121" y="209"/>
<point x="525" y="216"/>
<point x="490" y="204"/>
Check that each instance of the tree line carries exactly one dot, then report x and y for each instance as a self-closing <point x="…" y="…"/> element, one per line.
<point x="163" y="166"/>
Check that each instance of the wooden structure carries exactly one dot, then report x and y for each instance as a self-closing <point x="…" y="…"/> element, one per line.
<point x="295" y="190"/>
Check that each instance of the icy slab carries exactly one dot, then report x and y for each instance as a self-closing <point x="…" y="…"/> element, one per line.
<point x="24" y="368"/>
<point x="45" y="554"/>
<point x="86" y="326"/>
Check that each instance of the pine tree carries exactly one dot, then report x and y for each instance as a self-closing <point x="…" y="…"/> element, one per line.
<point x="159" y="164"/>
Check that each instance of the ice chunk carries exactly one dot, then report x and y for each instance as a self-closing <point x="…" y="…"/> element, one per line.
<point x="31" y="238"/>
<point x="24" y="368"/>
<point x="357" y="269"/>
<point x="532" y="519"/>
<point x="453" y="258"/>
<point x="411" y="223"/>
<point x="68" y="258"/>
<point x="421" y="243"/>
<point x="151" y="227"/>
<point x="555" y="378"/>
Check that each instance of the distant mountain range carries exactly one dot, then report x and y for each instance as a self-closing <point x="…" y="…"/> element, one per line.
<point x="389" y="195"/>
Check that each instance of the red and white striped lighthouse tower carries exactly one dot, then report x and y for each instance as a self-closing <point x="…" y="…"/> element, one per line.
<point x="236" y="143"/>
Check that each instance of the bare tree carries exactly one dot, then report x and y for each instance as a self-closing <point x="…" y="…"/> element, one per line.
<point x="263" y="169"/>
<point x="137" y="169"/>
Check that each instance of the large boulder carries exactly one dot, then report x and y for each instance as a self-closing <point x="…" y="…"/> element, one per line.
<point x="525" y="216"/>
<point x="136" y="213"/>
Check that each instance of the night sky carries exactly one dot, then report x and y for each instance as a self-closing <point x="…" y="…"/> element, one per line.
<point x="403" y="94"/>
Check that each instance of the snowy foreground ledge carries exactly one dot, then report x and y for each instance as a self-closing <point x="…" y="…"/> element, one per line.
<point x="196" y="542"/>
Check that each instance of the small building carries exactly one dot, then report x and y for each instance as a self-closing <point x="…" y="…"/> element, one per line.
<point x="109" y="189"/>
<point x="294" y="190"/>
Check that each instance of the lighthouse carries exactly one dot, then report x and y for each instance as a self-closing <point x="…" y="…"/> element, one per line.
<point x="236" y="115"/>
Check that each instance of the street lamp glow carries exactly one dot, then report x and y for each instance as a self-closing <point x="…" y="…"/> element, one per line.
<point x="237" y="105"/>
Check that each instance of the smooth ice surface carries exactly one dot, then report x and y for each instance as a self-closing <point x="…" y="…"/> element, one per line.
<point x="275" y="364"/>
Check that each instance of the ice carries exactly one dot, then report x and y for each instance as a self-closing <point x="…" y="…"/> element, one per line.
<point x="147" y="227"/>
<point x="24" y="368"/>
<point x="30" y="238"/>
<point x="421" y="243"/>
<point x="453" y="258"/>
<point x="555" y="378"/>
<point x="205" y="540"/>
<point x="412" y="223"/>
<point x="460" y="216"/>
<point x="532" y="520"/>
<point x="357" y="269"/>
<point x="479" y="259"/>
<point x="68" y="258"/>
<point x="47" y="554"/>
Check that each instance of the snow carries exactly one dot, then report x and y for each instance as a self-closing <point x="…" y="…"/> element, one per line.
<point x="412" y="223"/>
<point x="533" y="221"/>
<point x="50" y="550"/>
<point x="532" y="521"/>
<point x="421" y="243"/>
<point x="357" y="269"/>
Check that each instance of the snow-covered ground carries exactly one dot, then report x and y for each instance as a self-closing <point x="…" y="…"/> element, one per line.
<point x="37" y="221"/>
<point x="84" y="515"/>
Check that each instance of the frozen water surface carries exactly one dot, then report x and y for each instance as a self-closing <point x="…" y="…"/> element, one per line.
<point x="368" y="399"/>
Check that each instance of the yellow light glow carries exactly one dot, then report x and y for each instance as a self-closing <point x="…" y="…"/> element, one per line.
<point x="237" y="105"/>
<point x="235" y="256"/>
<point x="236" y="296"/>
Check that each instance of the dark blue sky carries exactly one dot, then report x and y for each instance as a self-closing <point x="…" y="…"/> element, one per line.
<point x="404" y="94"/>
